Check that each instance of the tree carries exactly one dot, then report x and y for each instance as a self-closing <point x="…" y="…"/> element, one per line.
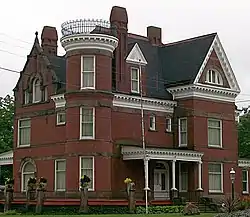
<point x="6" y="123"/>
<point x="244" y="136"/>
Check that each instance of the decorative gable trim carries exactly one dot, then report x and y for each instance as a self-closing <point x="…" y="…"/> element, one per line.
<point x="244" y="163"/>
<point x="136" y="153"/>
<point x="151" y="104"/>
<point x="59" y="100"/>
<point x="136" y="56"/>
<point x="218" y="48"/>
<point x="203" y="91"/>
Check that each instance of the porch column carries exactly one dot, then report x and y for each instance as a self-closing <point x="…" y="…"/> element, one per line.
<point x="173" y="176"/>
<point x="199" y="176"/>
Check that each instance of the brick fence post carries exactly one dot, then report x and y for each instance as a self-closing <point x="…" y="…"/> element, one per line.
<point x="84" y="200"/>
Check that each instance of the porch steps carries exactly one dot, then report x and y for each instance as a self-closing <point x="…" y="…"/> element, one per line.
<point x="205" y="208"/>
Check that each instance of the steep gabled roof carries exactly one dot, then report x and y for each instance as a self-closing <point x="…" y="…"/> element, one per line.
<point x="182" y="60"/>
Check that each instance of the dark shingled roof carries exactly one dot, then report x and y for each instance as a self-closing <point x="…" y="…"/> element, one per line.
<point x="172" y="64"/>
<point x="59" y="66"/>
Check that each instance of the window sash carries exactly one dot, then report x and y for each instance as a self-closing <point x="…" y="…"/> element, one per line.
<point x="24" y="133"/>
<point x="60" y="175"/>
<point x="215" y="177"/>
<point x="214" y="133"/>
<point x="135" y="80"/>
<point x="87" y="122"/>
<point x="245" y="187"/>
<point x="37" y="91"/>
<point x="88" y="71"/>
<point x="152" y="123"/>
<point x="87" y="168"/>
<point x="183" y="131"/>
<point x="61" y="118"/>
<point x="168" y="124"/>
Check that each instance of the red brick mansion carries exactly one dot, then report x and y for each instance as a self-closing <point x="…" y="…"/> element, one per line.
<point x="81" y="113"/>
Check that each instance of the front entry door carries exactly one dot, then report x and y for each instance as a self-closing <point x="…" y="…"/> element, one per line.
<point x="161" y="184"/>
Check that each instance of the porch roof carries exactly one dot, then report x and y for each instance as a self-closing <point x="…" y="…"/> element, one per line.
<point x="135" y="153"/>
<point x="6" y="158"/>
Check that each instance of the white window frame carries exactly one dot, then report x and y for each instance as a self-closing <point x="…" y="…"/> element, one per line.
<point x="58" y="119"/>
<point x="218" y="77"/>
<point x="56" y="171"/>
<point x="179" y="132"/>
<point x="245" y="181"/>
<point x="82" y="72"/>
<point x="131" y="79"/>
<point x="93" y="171"/>
<point x="222" y="181"/>
<point x="180" y="175"/>
<point x="221" y="131"/>
<point x="34" y="91"/>
<point x="153" y="117"/>
<point x="18" y="132"/>
<point x="169" y="124"/>
<point x="87" y="137"/>
<point x="23" y="187"/>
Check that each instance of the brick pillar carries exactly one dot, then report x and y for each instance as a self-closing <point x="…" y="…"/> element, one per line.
<point x="84" y="200"/>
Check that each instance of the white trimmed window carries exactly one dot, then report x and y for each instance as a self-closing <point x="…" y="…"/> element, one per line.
<point x="24" y="129"/>
<point x="214" y="133"/>
<point x="87" y="123"/>
<point x="28" y="171"/>
<point x="215" y="177"/>
<point x="135" y="80"/>
<point x="152" y="122"/>
<point x="37" y="93"/>
<point x="87" y="168"/>
<point x="88" y="72"/>
<point x="214" y="77"/>
<point x="182" y="131"/>
<point x="245" y="188"/>
<point x="60" y="175"/>
<point x="60" y="118"/>
<point x="183" y="169"/>
<point x="168" y="124"/>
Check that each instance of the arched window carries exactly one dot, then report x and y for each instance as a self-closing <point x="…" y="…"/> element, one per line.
<point x="37" y="93"/>
<point x="28" y="171"/>
<point x="214" y="77"/>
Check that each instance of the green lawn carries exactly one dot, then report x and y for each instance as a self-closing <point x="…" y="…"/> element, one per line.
<point x="113" y="215"/>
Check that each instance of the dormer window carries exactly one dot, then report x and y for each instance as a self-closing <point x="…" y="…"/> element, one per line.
<point x="214" y="77"/>
<point x="37" y="93"/>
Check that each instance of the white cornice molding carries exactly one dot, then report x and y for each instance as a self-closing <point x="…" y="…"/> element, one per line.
<point x="244" y="163"/>
<point x="6" y="158"/>
<point x="89" y="41"/>
<point x="136" y="153"/>
<point x="203" y="91"/>
<point x="59" y="100"/>
<point x="151" y="104"/>
<point x="227" y="69"/>
<point x="136" y="56"/>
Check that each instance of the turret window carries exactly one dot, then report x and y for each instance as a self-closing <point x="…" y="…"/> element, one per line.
<point x="214" y="77"/>
<point x="88" y="72"/>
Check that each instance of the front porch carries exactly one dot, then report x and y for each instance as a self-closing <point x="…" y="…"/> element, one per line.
<point x="171" y="173"/>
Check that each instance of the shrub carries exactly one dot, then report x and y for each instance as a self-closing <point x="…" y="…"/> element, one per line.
<point x="191" y="209"/>
<point x="11" y="212"/>
<point x="230" y="205"/>
<point x="243" y="213"/>
<point x="159" y="209"/>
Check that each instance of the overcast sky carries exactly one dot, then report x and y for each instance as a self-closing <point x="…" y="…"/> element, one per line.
<point x="179" y="19"/>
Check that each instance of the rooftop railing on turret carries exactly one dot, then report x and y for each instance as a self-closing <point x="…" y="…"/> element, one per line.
<point x="87" y="26"/>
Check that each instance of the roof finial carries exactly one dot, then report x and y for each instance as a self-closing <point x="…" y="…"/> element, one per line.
<point x="36" y="33"/>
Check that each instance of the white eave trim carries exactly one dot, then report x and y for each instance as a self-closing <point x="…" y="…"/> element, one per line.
<point x="245" y="163"/>
<point x="137" y="153"/>
<point x="151" y="104"/>
<point x="59" y="100"/>
<point x="6" y="158"/>
<point x="136" y="56"/>
<point x="204" y="91"/>
<point x="227" y="69"/>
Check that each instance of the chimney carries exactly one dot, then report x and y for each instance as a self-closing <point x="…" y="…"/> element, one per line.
<point x="154" y="35"/>
<point x="49" y="39"/>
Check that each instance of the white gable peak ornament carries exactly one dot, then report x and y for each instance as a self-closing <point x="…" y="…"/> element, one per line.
<point x="136" y="56"/>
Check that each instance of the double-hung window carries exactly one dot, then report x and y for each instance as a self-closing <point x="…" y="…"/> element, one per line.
<point x="87" y="168"/>
<point x="214" y="133"/>
<point x="87" y="123"/>
<point x="88" y="72"/>
<point x="215" y="177"/>
<point x="182" y="123"/>
<point x="24" y="129"/>
<point x="135" y="80"/>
